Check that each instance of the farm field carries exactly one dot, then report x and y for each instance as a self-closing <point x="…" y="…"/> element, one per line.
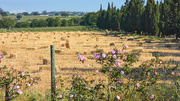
<point x="30" y="49"/>
<point x="26" y="18"/>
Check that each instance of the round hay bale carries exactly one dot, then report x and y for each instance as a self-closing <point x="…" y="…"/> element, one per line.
<point x="13" y="56"/>
<point x="112" y="44"/>
<point x="30" y="48"/>
<point x="138" y="50"/>
<point x="97" y="39"/>
<point x="145" y="54"/>
<point x="67" y="45"/>
<point x="148" y="41"/>
<point x="46" y="62"/>
<point x="62" y="45"/>
<point x="58" y="51"/>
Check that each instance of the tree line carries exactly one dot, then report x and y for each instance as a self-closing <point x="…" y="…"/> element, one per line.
<point x="49" y="22"/>
<point x="155" y="18"/>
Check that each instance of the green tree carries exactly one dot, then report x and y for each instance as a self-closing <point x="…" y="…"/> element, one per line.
<point x="19" y="16"/>
<point x="89" y="19"/>
<point x="173" y="16"/>
<point x="76" y="21"/>
<point x="1" y="24"/>
<point x="108" y="18"/>
<point x="99" y="17"/>
<point x="156" y="20"/>
<point x="35" y="13"/>
<point x="25" y="13"/>
<point x="23" y="24"/>
<point x="51" y="22"/>
<point x="64" y="22"/>
<point x="71" y="22"/>
<point x="149" y="16"/>
<point x="35" y="23"/>
<point x="8" y="23"/>
<point x="57" y="22"/>
<point x="115" y="23"/>
<point x="42" y="23"/>
<point x="4" y="14"/>
<point x="65" y="14"/>
<point x="102" y="19"/>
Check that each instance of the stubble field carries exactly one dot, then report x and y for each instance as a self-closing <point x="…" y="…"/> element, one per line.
<point x="32" y="50"/>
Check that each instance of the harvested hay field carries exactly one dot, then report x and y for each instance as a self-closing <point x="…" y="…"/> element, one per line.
<point x="32" y="50"/>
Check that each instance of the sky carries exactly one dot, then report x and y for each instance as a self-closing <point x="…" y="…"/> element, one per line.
<point x="17" y="6"/>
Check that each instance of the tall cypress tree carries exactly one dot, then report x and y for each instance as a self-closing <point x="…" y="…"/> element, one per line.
<point x="162" y="18"/>
<point x="133" y="13"/>
<point x="167" y="20"/>
<point x="108" y="18"/>
<point x="149" y="16"/>
<point x="156" y="20"/>
<point x="99" y="17"/>
<point x="102" y="19"/>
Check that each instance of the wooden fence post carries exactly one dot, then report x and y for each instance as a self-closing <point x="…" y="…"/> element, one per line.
<point x="7" y="92"/>
<point x="53" y="98"/>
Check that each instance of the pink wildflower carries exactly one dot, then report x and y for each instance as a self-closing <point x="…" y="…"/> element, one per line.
<point x="96" y="71"/>
<point x="82" y="96"/>
<point x="122" y="72"/>
<point x="79" y="56"/>
<point x="28" y="84"/>
<point x="178" y="74"/>
<point x="110" y="68"/>
<point x="56" y="86"/>
<point x="138" y="85"/>
<point x="103" y="55"/>
<point x="118" y="63"/>
<point x="71" y="95"/>
<point x="83" y="58"/>
<point x="12" y="67"/>
<point x="118" y="97"/>
<point x="119" y="52"/>
<point x="114" y="56"/>
<point x="31" y="78"/>
<point x="17" y="87"/>
<point x="97" y="56"/>
<point x="113" y="52"/>
<point x="150" y="87"/>
<point x="152" y="96"/>
<point x="173" y="73"/>
<point x="60" y="96"/>
<point x="119" y="80"/>
<point x="23" y="73"/>
<point x="126" y="46"/>
<point x="19" y="91"/>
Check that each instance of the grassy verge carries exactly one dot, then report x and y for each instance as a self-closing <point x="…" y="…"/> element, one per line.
<point x="26" y="18"/>
<point x="51" y="29"/>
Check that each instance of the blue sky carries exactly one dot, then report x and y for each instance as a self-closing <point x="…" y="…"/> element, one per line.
<point x="56" y="5"/>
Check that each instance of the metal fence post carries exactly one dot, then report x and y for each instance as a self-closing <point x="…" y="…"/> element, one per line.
<point x="53" y="98"/>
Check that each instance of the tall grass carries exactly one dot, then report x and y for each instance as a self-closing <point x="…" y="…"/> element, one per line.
<point x="51" y="29"/>
<point x="30" y="17"/>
